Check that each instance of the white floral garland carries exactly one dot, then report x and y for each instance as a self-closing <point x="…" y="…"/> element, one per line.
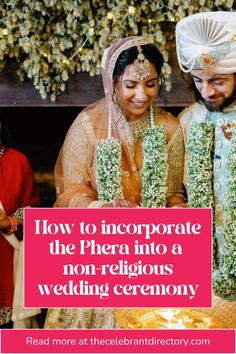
<point x="108" y="170"/>
<point x="155" y="168"/>
<point x="199" y="165"/>
<point x="154" y="173"/>
<point x="200" y="195"/>
<point x="224" y="279"/>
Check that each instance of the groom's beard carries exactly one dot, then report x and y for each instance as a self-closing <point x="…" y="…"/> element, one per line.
<point x="219" y="108"/>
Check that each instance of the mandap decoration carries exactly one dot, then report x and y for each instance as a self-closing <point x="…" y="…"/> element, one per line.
<point x="53" y="39"/>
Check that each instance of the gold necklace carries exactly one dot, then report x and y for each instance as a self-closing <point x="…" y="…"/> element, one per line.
<point x="138" y="127"/>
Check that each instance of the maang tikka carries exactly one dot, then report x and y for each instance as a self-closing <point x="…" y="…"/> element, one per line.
<point x="141" y="65"/>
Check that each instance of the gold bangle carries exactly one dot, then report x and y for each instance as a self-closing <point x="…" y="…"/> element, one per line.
<point x="12" y="226"/>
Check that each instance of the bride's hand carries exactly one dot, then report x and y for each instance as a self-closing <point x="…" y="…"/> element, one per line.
<point x="182" y="205"/>
<point x="120" y="203"/>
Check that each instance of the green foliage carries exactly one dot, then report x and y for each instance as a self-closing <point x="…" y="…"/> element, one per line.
<point x="54" y="39"/>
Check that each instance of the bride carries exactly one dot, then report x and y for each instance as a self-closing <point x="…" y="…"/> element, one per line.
<point x="121" y="151"/>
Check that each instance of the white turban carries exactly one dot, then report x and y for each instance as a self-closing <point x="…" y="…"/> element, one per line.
<point x="207" y="41"/>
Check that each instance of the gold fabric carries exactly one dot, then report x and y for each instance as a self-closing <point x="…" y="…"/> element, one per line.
<point x="5" y="315"/>
<point x="76" y="187"/>
<point x="80" y="318"/>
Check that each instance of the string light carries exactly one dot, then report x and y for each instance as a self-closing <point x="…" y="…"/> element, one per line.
<point x="80" y="49"/>
<point x="64" y="45"/>
<point x="171" y="18"/>
<point x="110" y="16"/>
<point x="66" y="61"/>
<point x="91" y="31"/>
<point x="3" y="32"/>
<point x="41" y="51"/>
<point x="132" y="10"/>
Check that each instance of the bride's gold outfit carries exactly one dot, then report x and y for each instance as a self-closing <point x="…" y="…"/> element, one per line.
<point x="75" y="171"/>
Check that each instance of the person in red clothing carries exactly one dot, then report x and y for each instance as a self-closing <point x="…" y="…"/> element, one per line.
<point x="17" y="190"/>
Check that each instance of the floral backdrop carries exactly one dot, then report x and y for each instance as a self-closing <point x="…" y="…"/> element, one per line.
<point x="54" y="39"/>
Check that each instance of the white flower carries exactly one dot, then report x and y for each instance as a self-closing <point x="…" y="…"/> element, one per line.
<point x="200" y="195"/>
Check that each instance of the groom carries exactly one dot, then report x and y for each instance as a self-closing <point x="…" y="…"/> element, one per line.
<point x="206" y="48"/>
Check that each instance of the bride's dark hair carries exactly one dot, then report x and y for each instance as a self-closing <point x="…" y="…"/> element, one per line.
<point x="128" y="56"/>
